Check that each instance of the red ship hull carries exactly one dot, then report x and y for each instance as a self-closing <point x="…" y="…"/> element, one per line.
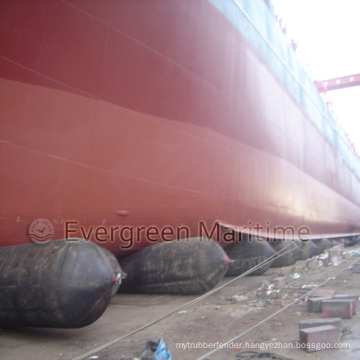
<point x="131" y="122"/>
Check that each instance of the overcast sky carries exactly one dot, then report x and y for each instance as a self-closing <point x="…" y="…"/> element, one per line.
<point x="327" y="33"/>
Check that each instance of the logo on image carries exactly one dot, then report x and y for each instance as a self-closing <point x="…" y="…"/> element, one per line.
<point x="41" y="231"/>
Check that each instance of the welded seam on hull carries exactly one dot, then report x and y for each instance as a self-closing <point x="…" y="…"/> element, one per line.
<point x="294" y="77"/>
<point x="322" y="113"/>
<point x="123" y="175"/>
<point x="76" y="90"/>
<point x="244" y="202"/>
<point x="142" y="44"/>
<point x="325" y="115"/>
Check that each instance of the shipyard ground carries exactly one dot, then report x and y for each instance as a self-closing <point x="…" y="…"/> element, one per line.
<point x="214" y="320"/>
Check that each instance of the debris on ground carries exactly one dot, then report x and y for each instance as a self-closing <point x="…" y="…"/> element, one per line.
<point x="281" y="289"/>
<point x="155" y="351"/>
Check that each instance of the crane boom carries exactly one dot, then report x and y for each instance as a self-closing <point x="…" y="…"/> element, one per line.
<point x="338" y="83"/>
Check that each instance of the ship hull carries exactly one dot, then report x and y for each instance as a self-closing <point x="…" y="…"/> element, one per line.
<point x="130" y="123"/>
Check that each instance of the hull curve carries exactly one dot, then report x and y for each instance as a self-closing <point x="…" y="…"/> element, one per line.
<point x="129" y="123"/>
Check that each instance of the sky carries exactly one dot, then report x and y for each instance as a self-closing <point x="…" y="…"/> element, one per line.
<point x="327" y="34"/>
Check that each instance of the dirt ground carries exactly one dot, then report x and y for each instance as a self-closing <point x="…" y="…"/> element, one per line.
<point x="192" y="332"/>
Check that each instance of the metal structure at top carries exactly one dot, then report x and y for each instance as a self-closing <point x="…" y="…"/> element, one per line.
<point x="338" y="83"/>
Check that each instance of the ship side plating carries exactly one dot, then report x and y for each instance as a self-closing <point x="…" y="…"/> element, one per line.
<point x="163" y="115"/>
